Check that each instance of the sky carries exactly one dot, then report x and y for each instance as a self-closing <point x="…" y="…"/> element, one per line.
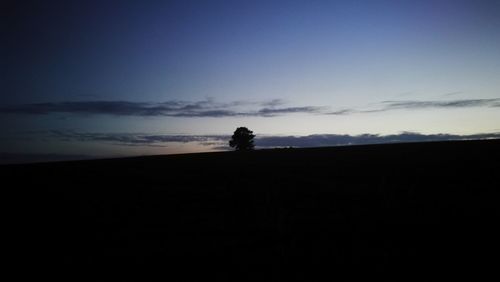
<point x="122" y="78"/>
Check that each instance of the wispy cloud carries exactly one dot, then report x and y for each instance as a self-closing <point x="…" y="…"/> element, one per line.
<point x="204" y="108"/>
<point x="273" y="103"/>
<point x="133" y="139"/>
<point x="320" y="140"/>
<point x="417" y="105"/>
<point x="452" y="93"/>
<point x="213" y="109"/>
<point x="279" y="111"/>
<point x="342" y="112"/>
<point x="392" y="105"/>
<point x="220" y="141"/>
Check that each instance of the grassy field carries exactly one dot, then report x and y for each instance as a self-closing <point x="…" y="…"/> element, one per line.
<point x="402" y="211"/>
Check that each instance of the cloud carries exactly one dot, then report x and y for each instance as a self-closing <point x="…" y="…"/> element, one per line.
<point x="90" y="107"/>
<point x="321" y="140"/>
<point x="204" y="108"/>
<point x="277" y="111"/>
<point x="211" y="108"/>
<point x="417" y="105"/>
<point x="273" y="103"/>
<point x="133" y="139"/>
<point x="392" y="105"/>
<point x="220" y="141"/>
<point x="452" y="93"/>
<point x="342" y="112"/>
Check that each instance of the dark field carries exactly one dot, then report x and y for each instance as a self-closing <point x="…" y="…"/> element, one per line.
<point x="402" y="211"/>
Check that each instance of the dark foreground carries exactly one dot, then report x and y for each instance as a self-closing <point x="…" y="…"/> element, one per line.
<point x="404" y="211"/>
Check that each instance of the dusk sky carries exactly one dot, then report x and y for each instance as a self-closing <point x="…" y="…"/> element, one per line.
<point x="125" y="78"/>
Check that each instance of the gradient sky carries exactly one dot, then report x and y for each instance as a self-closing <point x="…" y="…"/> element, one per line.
<point x="77" y="76"/>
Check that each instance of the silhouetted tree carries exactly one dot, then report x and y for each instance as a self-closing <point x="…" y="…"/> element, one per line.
<point x="242" y="139"/>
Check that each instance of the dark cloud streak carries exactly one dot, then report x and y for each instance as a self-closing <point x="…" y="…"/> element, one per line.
<point x="391" y="105"/>
<point x="417" y="105"/>
<point x="321" y="140"/>
<point x="277" y="111"/>
<point x="210" y="108"/>
<point x="219" y="141"/>
<point x="132" y="139"/>
<point x="206" y="108"/>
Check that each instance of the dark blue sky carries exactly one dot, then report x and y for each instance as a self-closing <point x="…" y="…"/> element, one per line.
<point x="279" y="67"/>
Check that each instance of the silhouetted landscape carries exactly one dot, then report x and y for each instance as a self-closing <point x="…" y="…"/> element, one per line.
<point x="396" y="211"/>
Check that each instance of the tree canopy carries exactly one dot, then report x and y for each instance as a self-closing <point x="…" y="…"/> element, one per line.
<point x="242" y="139"/>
